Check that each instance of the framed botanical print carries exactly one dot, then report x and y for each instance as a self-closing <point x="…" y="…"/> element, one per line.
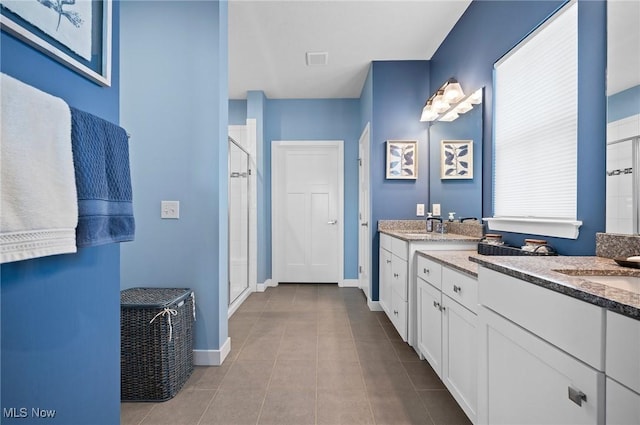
<point x="456" y="159"/>
<point x="402" y="159"/>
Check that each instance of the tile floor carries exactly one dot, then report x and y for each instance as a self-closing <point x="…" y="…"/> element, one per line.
<point x="308" y="354"/>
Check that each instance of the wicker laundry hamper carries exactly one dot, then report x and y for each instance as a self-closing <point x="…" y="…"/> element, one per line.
<point x="156" y="354"/>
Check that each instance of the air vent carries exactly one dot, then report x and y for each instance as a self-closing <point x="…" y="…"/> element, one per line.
<point x="317" y="58"/>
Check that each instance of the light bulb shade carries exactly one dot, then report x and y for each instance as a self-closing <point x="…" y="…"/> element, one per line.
<point x="428" y="114"/>
<point x="453" y="92"/>
<point x="450" y="116"/>
<point x="440" y="104"/>
<point x="463" y="107"/>
<point x="476" y="97"/>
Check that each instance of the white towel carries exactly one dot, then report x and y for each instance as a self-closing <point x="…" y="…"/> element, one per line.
<point x="38" y="201"/>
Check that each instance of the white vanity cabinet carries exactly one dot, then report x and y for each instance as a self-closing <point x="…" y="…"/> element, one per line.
<point x="623" y="369"/>
<point x="540" y="357"/>
<point x="447" y="301"/>
<point x="397" y="277"/>
<point x="393" y="281"/>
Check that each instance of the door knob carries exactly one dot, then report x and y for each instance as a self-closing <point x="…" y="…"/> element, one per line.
<point x="332" y="221"/>
<point x="365" y="224"/>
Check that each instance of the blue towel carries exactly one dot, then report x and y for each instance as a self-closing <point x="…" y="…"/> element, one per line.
<point x="103" y="180"/>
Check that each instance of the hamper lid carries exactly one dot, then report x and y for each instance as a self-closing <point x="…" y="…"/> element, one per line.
<point x="152" y="297"/>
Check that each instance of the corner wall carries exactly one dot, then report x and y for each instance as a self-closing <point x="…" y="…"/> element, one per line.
<point x="174" y="102"/>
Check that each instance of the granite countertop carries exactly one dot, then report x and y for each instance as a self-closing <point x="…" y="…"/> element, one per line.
<point x="545" y="271"/>
<point x="421" y="236"/>
<point x="457" y="260"/>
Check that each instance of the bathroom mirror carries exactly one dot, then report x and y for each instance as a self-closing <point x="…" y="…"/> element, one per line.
<point x="462" y="196"/>
<point x="623" y="117"/>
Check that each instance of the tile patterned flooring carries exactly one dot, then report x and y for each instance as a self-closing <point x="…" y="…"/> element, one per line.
<point x="308" y="354"/>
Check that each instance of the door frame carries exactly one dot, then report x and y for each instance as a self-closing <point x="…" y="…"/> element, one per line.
<point x="281" y="146"/>
<point x="364" y="243"/>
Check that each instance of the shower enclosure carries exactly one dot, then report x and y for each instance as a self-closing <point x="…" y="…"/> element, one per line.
<point x="239" y="172"/>
<point x="623" y="186"/>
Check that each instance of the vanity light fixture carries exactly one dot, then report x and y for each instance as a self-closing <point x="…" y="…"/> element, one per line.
<point x="448" y="102"/>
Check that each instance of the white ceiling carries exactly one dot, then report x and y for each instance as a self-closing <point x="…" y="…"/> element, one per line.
<point x="268" y="41"/>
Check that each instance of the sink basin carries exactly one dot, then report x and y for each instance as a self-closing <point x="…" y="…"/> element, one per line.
<point x="628" y="283"/>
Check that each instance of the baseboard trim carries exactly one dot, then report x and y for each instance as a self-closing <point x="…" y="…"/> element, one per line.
<point x="261" y="287"/>
<point x="374" y="305"/>
<point x="349" y="283"/>
<point x="212" y="357"/>
<point x="238" y="302"/>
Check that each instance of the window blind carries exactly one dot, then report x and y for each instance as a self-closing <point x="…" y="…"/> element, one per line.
<point x="535" y="123"/>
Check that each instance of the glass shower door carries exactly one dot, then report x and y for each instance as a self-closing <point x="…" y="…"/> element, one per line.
<point x="238" y="221"/>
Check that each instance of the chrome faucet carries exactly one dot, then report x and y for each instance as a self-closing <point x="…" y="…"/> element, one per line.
<point x="430" y="221"/>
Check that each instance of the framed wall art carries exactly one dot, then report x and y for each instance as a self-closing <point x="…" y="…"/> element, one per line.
<point x="456" y="159"/>
<point x="402" y="159"/>
<point x="74" y="33"/>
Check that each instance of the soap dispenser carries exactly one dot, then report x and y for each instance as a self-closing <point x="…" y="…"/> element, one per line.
<point x="429" y="222"/>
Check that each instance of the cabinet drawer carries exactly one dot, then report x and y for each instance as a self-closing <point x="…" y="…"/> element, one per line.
<point x="400" y="248"/>
<point x="572" y="325"/>
<point x="623" y="350"/>
<point x="430" y="271"/>
<point x="385" y="241"/>
<point x="461" y="288"/>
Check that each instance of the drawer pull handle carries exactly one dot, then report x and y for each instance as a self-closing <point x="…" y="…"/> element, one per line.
<point x="395" y="312"/>
<point x="577" y="396"/>
<point x="388" y="261"/>
<point x="426" y="271"/>
<point x="436" y="304"/>
<point x="395" y="275"/>
<point x="457" y="289"/>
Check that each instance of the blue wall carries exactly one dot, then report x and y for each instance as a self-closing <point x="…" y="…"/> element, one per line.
<point x="237" y="112"/>
<point x="488" y="30"/>
<point x="61" y="314"/>
<point x="320" y="119"/>
<point x="623" y="104"/>
<point x="178" y="152"/>
<point x="399" y="91"/>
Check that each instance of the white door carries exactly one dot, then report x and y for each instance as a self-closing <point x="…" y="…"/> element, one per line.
<point x="307" y="211"/>
<point x="364" y="233"/>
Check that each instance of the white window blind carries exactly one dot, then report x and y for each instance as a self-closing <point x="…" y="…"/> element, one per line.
<point x="535" y="131"/>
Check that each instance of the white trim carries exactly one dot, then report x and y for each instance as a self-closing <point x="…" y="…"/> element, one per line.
<point x="568" y="229"/>
<point x="349" y="283"/>
<point x="261" y="287"/>
<point x="212" y="357"/>
<point x="238" y="301"/>
<point x="278" y="145"/>
<point x="374" y="305"/>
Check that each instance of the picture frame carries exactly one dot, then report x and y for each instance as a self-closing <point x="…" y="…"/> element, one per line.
<point x="402" y="159"/>
<point x="456" y="159"/>
<point x="29" y="23"/>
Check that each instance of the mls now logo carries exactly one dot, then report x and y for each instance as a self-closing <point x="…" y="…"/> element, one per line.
<point x="23" y="412"/>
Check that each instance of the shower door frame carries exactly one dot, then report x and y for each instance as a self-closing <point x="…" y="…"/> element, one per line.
<point x="248" y="208"/>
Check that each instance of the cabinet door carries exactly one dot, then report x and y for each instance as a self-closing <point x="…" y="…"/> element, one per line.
<point x="384" y="283"/>
<point x="460" y="355"/>
<point x="430" y="324"/>
<point x="525" y="380"/>
<point x="399" y="272"/>
<point x="623" y="405"/>
<point x="399" y="314"/>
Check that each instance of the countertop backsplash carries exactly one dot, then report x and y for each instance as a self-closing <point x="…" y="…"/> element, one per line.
<point x="613" y="245"/>
<point x="471" y="229"/>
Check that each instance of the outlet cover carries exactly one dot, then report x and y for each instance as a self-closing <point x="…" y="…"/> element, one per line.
<point x="170" y="209"/>
<point x="420" y="210"/>
<point x="436" y="210"/>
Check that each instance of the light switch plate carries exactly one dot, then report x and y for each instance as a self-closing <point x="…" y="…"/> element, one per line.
<point x="420" y="210"/>
<point x="436" y="210"/>
<point x="170" y="209"/>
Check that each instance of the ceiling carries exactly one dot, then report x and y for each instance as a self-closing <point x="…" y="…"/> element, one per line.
<point x="268" y="42"/>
